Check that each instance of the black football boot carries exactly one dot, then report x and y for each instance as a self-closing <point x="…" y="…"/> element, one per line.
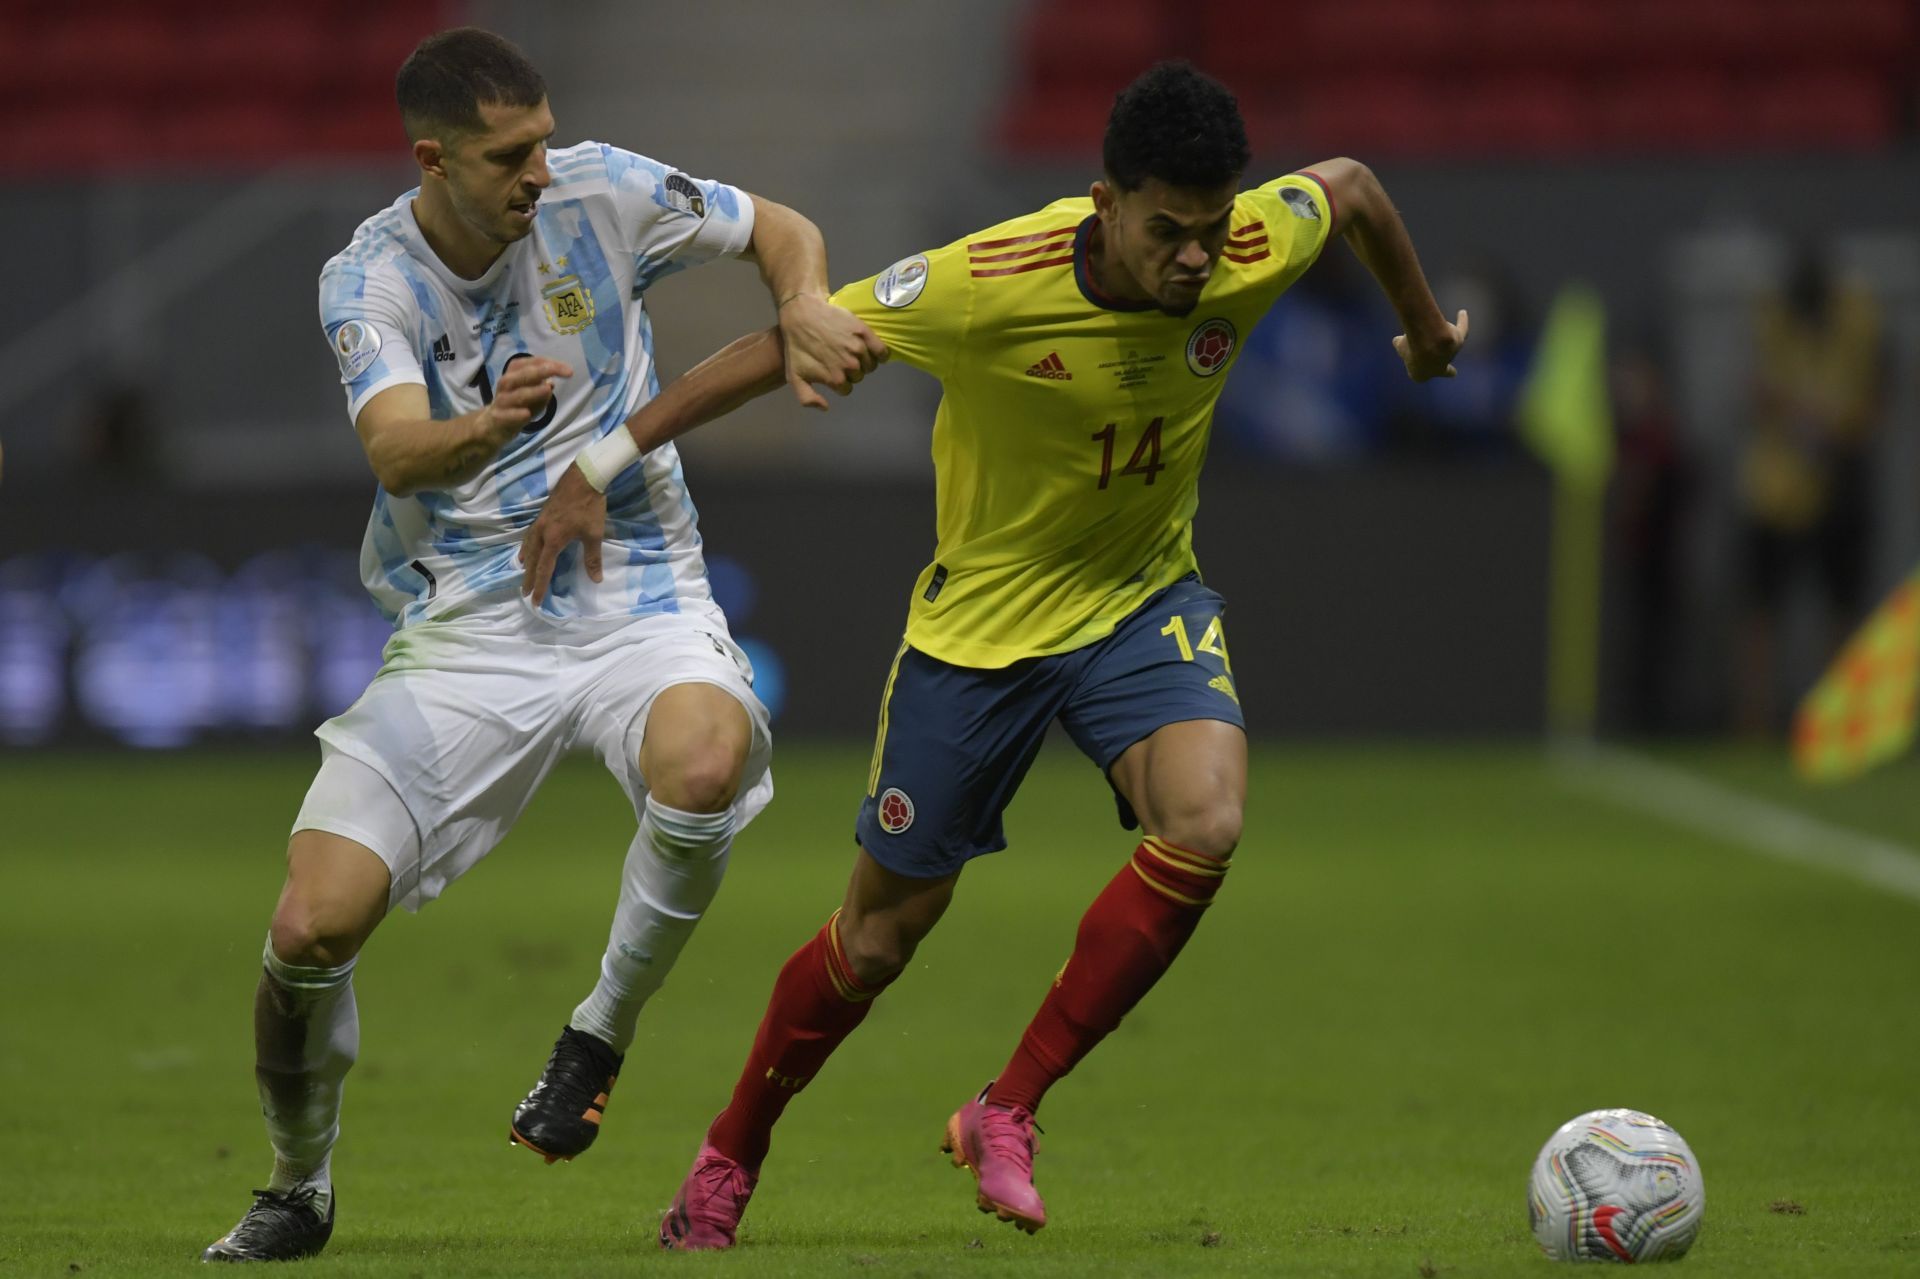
<point x="561" y="1116"/>
<point x="281" y="1226"/>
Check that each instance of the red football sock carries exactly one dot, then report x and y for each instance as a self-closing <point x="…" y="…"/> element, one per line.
<point x="817" y="1001"/>
<point x="1128" y="937"/>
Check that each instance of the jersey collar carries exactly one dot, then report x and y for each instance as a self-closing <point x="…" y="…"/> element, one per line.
<point x="417" y="240"/>
<point x="1082" y="240"/>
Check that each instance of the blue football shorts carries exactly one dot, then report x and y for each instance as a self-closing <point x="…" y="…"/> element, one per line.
<point x="955" y="742"/>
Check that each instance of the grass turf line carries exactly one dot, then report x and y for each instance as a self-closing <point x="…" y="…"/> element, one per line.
<point x="1423" y="961"/>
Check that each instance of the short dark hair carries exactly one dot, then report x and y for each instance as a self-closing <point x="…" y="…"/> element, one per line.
<point x="1178" y="124"/>
<point x="444" y="81"/>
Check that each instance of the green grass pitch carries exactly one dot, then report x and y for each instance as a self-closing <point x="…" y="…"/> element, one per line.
<point x="1425" y="960"/>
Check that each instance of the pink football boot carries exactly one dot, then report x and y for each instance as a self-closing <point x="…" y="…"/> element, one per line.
<point x="996" y="1144"/>
<point x="707" y="1211"/>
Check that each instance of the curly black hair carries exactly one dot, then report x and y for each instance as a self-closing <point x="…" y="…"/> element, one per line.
<point x="1178" y="124"/>
<point x="442" y="84"/>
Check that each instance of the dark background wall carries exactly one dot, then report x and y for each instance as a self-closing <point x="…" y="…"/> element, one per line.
<point x="1383" y="600"/>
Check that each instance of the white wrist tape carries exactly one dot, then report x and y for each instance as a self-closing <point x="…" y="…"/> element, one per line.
<point x="602" y="461"/>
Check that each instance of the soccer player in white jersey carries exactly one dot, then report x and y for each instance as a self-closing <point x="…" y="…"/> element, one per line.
<point x="490" y="335"/>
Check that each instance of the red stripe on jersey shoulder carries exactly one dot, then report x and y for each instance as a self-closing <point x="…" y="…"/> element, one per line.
<point x="1052" y="246"/>
<point x="1022" y="239"/>
<point x="1025" y="266"/>
<point x="1259" y="255"/>
<point x="1249" y="228"/>
<point x="1251" y="242"/>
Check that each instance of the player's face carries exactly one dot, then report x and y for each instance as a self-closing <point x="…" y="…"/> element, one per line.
<point x="495" y="177"/>
<point x="1168" y="238"/>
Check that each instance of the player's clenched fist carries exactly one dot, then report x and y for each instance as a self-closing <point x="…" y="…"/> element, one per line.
<point x="1432" y="356"/>
<point x="825" y="344"/>
<point x="575" y="512"/>
<point x="522" y="394"/>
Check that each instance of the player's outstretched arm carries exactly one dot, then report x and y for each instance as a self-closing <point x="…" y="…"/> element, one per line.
<point x="576" y="510"/>
<point x="1366" y="218"/>
<point x="410" y="451"/>
<point x="822" y="343"/>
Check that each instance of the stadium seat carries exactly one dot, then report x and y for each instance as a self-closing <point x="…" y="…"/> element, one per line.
<point x="1821" y="109"/>
<point x="119" y="83"/>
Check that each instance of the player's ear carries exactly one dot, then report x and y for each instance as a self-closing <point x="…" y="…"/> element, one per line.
<point x="431" y="156"/>
<point x="1103" y="199"/>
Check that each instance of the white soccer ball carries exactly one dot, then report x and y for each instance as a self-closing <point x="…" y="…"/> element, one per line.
<point x="1615" y="1185"/>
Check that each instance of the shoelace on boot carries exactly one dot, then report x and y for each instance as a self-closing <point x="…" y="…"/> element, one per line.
<point x="272" y="1210"/>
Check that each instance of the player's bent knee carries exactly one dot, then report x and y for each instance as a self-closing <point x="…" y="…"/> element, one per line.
<point x="1213" y="831"/>
<point x="703" y="780"/>
<point x="335" y="895"/>
<point x="310" y="935"/>
<point x="877" y="949"/>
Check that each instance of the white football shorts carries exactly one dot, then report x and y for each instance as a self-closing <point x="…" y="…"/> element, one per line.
<point x="466" y="718"/>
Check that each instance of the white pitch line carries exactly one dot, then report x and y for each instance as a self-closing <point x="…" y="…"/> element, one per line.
<point x="1729" y="817"/>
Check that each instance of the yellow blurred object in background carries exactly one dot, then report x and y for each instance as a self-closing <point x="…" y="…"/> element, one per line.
<point x="1566" y="416"/>
<point x="1861" y="713"/>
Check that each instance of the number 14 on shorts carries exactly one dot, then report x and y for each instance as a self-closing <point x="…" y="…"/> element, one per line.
<point x="1212" y="640"/>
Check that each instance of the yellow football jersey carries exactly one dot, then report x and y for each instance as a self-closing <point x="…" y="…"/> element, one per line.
<point x="1072" y="427"/>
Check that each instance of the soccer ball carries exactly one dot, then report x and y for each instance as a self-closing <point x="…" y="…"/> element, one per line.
<point x="1615" y="1185"/>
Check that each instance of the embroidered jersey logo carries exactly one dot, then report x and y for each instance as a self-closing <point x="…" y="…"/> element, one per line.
<point x="896" y="811"/>
<point x="569" y="304"/>
<point x="901" y="283"/>
<point x="497" y="321"/>
<point x="1210" y="347"/>
<point x="1051" y="367"/>
<point x="355" y="345"/>
<point x="442" y="350"/>
<point x="1224" y="685"/>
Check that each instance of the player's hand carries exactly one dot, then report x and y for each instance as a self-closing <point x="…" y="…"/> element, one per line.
<point x="521" y="395"/>
<point x="575" y="512"/>
<point x="1433" y="356"/>
<point x="825" y="344"/>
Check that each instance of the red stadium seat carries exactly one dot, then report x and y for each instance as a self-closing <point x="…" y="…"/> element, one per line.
<point x="1821" y="109"/>
<point x="1664" y="111"/>
<point x="218" y="84"/>
<point x="1539" y="35"/>
<point x="79" y="137"/>
<point x="1063" y="123"/>
<point x="1098" y="44"/>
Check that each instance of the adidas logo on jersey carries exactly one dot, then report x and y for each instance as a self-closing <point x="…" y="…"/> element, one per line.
<point x="1051" y="367"/>
<point x="442" y="350"/>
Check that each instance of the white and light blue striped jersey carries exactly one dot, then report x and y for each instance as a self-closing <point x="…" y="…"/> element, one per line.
<point x="611" y="223"/>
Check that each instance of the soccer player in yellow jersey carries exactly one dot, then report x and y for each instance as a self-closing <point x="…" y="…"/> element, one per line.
<point x="1080" y="350"/>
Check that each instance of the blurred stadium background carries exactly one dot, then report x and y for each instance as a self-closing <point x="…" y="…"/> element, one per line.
<point x="1439" y="945"/>
<point x="183" y="495"/>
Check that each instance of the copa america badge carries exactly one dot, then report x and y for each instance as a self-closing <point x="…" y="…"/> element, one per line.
<point x="900" y="284"/>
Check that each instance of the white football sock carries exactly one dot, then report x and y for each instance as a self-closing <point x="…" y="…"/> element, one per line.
<point x="673" y="869"/>
<point x="306" y="1036"/>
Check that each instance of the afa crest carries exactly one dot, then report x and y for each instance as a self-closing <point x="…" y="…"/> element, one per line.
<point x="569" y="304"/>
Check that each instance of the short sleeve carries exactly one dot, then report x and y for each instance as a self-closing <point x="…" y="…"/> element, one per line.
<point x="1304" y="198"/>
<point x="1279" y="229"/>
<point x="671" y="220"/>
<point x="368" y="318"/>
<point x="920" y="307"/>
